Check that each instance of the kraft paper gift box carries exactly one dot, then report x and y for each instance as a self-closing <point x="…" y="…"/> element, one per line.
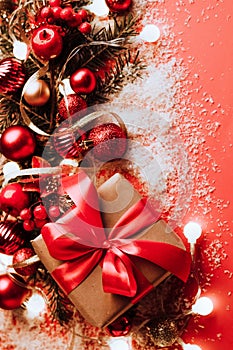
<point x="99" y="308"/>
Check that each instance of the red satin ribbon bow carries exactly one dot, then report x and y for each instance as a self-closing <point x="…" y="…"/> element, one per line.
<point x="79" y="240"/>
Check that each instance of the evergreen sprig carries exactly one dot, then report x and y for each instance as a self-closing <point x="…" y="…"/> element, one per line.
<point x="59" y="305"/>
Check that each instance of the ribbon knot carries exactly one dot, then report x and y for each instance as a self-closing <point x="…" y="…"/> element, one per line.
<point x="79" y="240"/>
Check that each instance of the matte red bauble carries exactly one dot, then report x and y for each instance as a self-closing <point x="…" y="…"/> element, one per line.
<point x="12" y="295"/>
<point x="11" y="237"/>
<point x="13" y="199"/>
<point x="109" y="141"/>
<point x="37" y="93"/>
<point x="46" y="42"/>
<point x="118" y="5"/>
<point x="17" y="143"/>
<point x="75" y="104"/>
<point x="22" y="255"/>
<point x="12" y="75"/>
<point x="83" y="81"/>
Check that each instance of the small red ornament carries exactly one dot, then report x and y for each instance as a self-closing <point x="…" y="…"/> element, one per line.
<point x="75" y="104"/>
<point x="40" y="212"/>
<point x="12" y="75"/>
<point x="28" y="225"/>
<point x="54" y="3"/>
<point x="67" y="144"/>
<point x="85" y="28"/>
<point x="13" y="292"/>
<point x="83" y="81"/>
<point x="118" y="5"/>
<point x="66" y="13"/>
<point x="17" y="143"/>
<point x="22" y="255"/>
<point x="120" y="327"/>
<point x="13" y="199"/>
<point x="109" y="141"/>
<point x="11" y="237"/>
<point x="25" y="214"/>
<point x="47" y="42"/>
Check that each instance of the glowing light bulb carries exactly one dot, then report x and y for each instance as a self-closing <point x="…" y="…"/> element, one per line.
<point x="150" y="33"/>
<point x="120" y="343"/>
<point x="203" y="306"/>
<point x="10" y="169"/>
<point x="192" y="231"/>
<point x="20" y="50"/>
<point x="99" y="8"/>
<point x="65" y="88"/>
<point x="191" y="347"/>
<point x="35" y="305"/>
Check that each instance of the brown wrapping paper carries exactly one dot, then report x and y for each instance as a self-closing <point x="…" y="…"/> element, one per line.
<point x="96" y="306"/>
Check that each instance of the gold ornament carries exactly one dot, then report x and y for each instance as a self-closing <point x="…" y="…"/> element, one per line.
<point x="163" y="332"/>
<point x="37" y="93"/>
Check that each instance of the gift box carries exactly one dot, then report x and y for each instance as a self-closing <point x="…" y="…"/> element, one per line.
<point x="107" y="267"/>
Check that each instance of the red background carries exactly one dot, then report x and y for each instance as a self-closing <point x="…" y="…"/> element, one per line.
<point x="205" y="27"/>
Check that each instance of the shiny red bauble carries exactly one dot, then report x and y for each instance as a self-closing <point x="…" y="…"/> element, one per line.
<point x="118" y="5"/>
<point x="83" y="81"/>
<point x="12" y="75"/>
<point x="109" y="141"/>
<point x="17" y="143"/>
<point x="75" y="104"/>
<point x="22" y="255"/>
<point x="11" y="237"/>
<point x="69" y="144"/>
<point x="12" y="294"/>
<point x="47" y="42"/>
<point x="120" y="327"/>
<point x="13" y="199"/>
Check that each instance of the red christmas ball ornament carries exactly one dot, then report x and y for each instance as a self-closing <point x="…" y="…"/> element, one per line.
<point x="85" y="28"/>
<point x="118" y="5"/>
<point x="120" y="327"/>
<point x="67" y="144"/>
<point x="109" y="141"/>
<point x="11" y="237"/>
<point x="17" y="143"/>
<point x="13" y="292"/>
<point x="22" y="255"/>
<point x="12" y="75"/>
<point x="13" y="199"/>
<point x="83" y="81"/>
<point x="47" y="42"/>
<point x="75" y="104"/>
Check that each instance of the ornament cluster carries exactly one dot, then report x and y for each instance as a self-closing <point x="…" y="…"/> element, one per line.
<point x="61" y="44"/>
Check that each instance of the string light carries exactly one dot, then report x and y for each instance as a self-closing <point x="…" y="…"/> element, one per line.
<point x="20" y="50"/>
<point x="10" y="171"/>
<point x="203" y="306"/>
<point x="190" y="347"/>
<point x="65" y="88"/>
<point x="122" y="343"/>
<point x="35" y="305"/>
<point x="150" y="33"/>
<point x="192" y="231"/>
<point x="99" y="8"/>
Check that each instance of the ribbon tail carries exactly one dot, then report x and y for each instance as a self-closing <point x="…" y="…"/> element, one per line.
<point x="171" y="258"/>
<point x="118" y="275"/>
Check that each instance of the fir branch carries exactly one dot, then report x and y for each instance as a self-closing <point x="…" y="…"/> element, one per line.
<point x="126" y="70"/>
<point x="59" y="305"/>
